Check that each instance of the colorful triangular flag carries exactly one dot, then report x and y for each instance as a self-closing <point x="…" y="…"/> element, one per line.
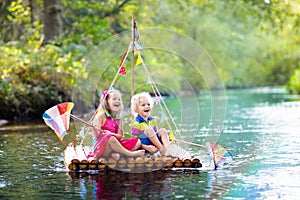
<point x="171" y="136"/>
<point x="122" y="70"/>
<point x="58" y="118"/>
<point x="157" y="100"/>
<point x="138" y="61"/>
<point x="136" y="32"/>
<point x="137" y="41"/>
<point x="219" y="154"/>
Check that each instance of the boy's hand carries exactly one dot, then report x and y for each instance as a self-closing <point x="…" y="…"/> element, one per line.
<point x="150" y="148"/>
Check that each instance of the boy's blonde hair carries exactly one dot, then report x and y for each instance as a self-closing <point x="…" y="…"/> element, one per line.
<point x="135" y="100"/>
<point x="104" y="101"/>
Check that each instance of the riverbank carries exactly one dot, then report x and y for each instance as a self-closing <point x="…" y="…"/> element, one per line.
<point x="3" y="122"/>
<point x="29" y="125"/>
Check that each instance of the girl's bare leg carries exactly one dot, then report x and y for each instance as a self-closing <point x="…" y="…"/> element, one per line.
<point x="138" y="145"/>
<point x="114" y="145"/>
<point x="108" y="152"/>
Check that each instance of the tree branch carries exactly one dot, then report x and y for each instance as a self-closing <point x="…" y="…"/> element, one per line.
<point x="114" y="11"/>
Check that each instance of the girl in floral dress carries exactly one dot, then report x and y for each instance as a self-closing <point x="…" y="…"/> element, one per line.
<point x="109" y="129"/>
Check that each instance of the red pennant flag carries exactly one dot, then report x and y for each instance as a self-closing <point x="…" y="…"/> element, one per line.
<point x="157" y="100"/>
<point x="122" y="70"/>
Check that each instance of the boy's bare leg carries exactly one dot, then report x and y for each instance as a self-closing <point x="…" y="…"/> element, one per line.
<point x="162" y="133"/>
<point x="149" y="131"/>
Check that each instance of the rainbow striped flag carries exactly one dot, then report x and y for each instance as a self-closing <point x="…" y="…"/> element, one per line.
<point x="219" y="154"/>
<point x="58" y="118"/>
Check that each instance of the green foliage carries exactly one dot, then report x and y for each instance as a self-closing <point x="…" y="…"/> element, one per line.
<point x="88" y="22"/>
<point x="33" y="80"/>
<point x="252" y="43"/>
<point x="294" y="83"/>
<point x="34" y="77"/>
<point x="19" y="13"/>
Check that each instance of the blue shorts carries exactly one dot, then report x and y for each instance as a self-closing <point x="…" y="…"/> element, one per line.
<point x="147" y="141"/>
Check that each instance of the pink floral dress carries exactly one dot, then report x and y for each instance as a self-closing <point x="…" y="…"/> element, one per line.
<point x="111" y="124"/>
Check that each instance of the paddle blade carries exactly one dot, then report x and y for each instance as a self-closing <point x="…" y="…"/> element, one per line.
<point x="219" y="154"/>
<point x="58" y="118"/>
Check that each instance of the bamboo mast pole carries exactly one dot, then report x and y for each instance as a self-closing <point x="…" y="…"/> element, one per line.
<point x="132" y="55"/>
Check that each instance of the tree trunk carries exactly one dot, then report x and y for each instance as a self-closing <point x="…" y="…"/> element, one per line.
<point x="53" y="21"/>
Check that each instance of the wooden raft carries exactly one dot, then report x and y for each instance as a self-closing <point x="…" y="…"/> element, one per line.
<point x="76" y="160"/>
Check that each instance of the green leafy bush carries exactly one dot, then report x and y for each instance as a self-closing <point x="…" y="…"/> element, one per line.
<point x="33" y="79"/>
<point x="294" y="83"/>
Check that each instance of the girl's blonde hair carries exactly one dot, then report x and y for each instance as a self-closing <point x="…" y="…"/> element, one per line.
<point x="135" y="100"/>
<point x="104" y="101"/>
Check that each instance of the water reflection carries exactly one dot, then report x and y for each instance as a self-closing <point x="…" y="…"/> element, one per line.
<point x="153" y="185"/>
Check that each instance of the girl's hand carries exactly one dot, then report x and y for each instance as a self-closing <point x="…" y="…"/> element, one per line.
<point x="96" y="132"/>
<point x="106" y="132"/>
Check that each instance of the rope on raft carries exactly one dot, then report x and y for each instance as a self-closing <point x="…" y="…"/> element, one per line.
<point x="158" y="95"/>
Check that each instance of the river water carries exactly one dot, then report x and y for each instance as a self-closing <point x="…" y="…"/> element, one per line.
<point x="261" y="130"/>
